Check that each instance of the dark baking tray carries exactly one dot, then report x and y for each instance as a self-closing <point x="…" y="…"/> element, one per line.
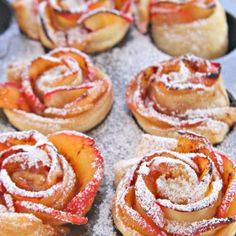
<point x="5" y="15"/>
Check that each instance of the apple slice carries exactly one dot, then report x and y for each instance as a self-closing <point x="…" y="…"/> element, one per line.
<point x="33" y="71"/>
<point x="27" y="224"/>
<point x="121" y="4"/>
<point x="190" y="142"/>
<point x="66" y="13"/>
<point x="178" y="13"/>
<point x="204" y="227"/>
<point x="211" y="71"/>
<point x="67" y="73"/>
<point x="46" y="27"/>
<point x="142" y="12"/>
<point x="99" y="4"/>
<point x="101" y="18"/>
<point x="81" y="152"/>
<point x="70" y="74"/>
<point x="81" y="104"/>
<point x="228" y="205"/>
<point x="11" y="97"/>
<point x="61" y="96"/>
<point x="50" y="35"/>
<point x="81" y="58"/>
<point x="48" y="214"/>
<point x="66" y="19"/>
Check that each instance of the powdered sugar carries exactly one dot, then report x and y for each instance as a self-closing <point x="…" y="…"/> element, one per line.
<point x="7" y="136"/>
<point x="41" y="153"/>
<point x="3" y="209"/>
<point x="13" y="189"/>
<point x="144" y="170"/>
<point x="75" y="35"/>
<point x="30" y="157"/>
<point x="179" y="80"/>
<point x="119" y="135"/>
<point x="49" y="78"/>
<point x="9" y="202"/>
<point x="148" y="202"/>
<point x="180" y="187"/>
<point x="71" y="5"/>
<point x="202" y="203"/>
<point x="188" y="229"/>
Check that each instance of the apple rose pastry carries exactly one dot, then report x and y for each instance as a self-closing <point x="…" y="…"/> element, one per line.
<point x="91" y="26"/>
<point x="190" y="26"/>
<point x="184" y="190"/>
<point x="46" y="182"/>
<point x="61" y="90"/>
<point x="182" y="93"/>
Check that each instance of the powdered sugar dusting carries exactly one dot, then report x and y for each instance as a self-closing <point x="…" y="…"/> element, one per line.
<point x="180" y="79"/>
<point x="37" y="155"/>
<point x="150" y="143"/>
<point x="9" y="202"/>
<point x="118" y="135"/>
<point x="148" y="202"/>
<point x="13" y="189"/>
<point x="187" y="229"/>
<point x="20" y="162"/>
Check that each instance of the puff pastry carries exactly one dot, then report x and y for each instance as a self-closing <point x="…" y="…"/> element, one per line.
<point x="46" y="182"/>
<point x="183" y="187"/>
<point x="182" y="93"/>
<point x="197" y="27"/>
<point x="60" y="90"/>
<point x="91" y="26"/>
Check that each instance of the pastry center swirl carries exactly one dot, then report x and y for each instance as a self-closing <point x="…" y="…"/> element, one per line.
<point x="58" y="76"/>
<point x="178" y="182"/>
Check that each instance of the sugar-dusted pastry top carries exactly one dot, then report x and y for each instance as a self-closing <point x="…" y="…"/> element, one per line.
<point x="59" y="90"/>
<point x="189" y="26"/>
<point x="91" y="26"/>
<point x="182" y="187"/>
<point x="182" y="93"/>
<point x="177" y="12"/>
<point x="46" y="182"/>
<point x="171" y="12"/>
<point x="177" y="27"/>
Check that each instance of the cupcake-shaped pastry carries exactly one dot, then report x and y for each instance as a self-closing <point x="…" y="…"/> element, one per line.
<point x="191" y="26"/>
<point x="91" y="26"/>
<point x="182" y="93"/>
<point x="60" y="90"/>
<point x="185" y="188"/>
<point x="46" y="182"/>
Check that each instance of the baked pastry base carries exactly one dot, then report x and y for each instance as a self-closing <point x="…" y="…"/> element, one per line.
<point x="207" y="38"/>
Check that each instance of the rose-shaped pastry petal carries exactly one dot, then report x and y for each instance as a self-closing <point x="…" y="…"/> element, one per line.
<point x="194" y="26"/>
<point x="61" y="90"/>
<point x="26" y="10"/>
<point x="46" y="182"/>
<point x="91" y="26"/>
<point x="182" y="93"/>
<point x="141" y="11"/>
<point x="187" y="188"/>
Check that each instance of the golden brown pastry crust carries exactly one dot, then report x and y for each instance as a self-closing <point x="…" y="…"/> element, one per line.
<point x="157" y="193"/>
<point x="46" y="182"/>
<point x="182" y="93"/>
<point x="25" y="14"/>
<point x="90" y="27"/>
<point x="207" y="38"/>
<point x="78" y="99"/>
